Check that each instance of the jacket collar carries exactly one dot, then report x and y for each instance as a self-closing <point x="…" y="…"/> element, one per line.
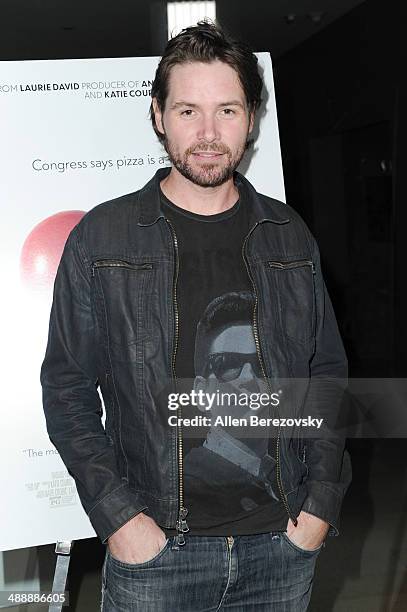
<point x="261" y="208"/>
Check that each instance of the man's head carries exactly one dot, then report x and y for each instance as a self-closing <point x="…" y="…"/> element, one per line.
<point x="225" y="351"/>
<point x="206" y="91"/>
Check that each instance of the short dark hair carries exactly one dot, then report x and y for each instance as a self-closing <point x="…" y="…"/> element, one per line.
<point x="207" y="42"/>
<point x="224" y="311"/>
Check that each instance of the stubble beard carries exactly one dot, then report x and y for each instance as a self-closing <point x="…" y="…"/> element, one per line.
<point x="208" y="174"/>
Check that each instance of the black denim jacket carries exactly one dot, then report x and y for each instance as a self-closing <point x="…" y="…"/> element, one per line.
<point x="114" y="325"/>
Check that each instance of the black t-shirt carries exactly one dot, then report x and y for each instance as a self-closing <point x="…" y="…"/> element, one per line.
<point x="229" y="481"/>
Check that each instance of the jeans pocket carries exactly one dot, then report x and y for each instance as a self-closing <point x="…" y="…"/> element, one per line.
<point x="298" y="549"/>
<point x="134" y="566"/>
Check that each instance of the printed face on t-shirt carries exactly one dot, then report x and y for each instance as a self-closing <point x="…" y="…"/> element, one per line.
<point x="232" y="355"/>
<point x="232" y="363"/>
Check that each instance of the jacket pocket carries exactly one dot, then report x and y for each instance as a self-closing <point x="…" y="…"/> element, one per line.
<point x="296" y="297"/>
<point x="124" y="289"/>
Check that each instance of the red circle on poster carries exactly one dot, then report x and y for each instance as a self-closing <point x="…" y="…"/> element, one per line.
<point x="42" y="249"/>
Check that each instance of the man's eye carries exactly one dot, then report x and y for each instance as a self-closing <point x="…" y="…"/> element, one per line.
<point x="228" y="111"/>
<point x="187" y="113"/>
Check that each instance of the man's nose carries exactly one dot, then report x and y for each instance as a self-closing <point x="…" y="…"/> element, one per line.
<point x="208" y="129"/>
<point x="247" y="380"/>
<point x="247" y="372"/>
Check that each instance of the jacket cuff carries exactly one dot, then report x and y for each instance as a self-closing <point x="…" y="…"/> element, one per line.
<point x="324" y="503"/>
<point x="114" y="510"/>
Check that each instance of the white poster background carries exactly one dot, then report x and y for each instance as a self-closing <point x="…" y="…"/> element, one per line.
<point x="100" y="115"/>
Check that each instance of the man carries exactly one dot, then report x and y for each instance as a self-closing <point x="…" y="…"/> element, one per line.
<point x="135" y="277"/>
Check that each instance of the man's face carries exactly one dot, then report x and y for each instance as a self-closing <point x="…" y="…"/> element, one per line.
<point x="206" y="122"/>
<point x="232" y="366"/>
<point x="233" y="358"/>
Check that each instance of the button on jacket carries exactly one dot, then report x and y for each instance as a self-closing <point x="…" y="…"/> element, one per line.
<point x="114" y="323"/>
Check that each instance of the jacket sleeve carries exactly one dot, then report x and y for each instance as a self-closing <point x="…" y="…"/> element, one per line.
<point x="329" y="468"/>
<point x="71" y="400"/>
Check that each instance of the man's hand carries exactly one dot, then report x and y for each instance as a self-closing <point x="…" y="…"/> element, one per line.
<point x="310" y="532"/>
<point x="137" y="541"/>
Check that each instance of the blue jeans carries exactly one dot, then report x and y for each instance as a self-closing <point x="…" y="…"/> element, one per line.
<point x="256" y="573"/>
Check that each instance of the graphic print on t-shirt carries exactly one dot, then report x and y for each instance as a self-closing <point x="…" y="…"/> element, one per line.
<point x="238" y="468"/>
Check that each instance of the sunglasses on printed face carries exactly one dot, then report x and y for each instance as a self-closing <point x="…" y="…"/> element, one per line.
<point x="228" y="366"/>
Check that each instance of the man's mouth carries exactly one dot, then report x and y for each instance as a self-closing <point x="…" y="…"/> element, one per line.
<point x="207" y="154"/>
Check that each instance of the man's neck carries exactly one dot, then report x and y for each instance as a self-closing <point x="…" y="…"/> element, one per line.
<point x="200" y="200"/>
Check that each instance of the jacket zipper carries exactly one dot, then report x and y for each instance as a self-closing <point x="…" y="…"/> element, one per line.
<point x="181" y="525"/>
<point x="118" y="263"/>
<point x="289" y="265"/>
<point x="260" y="356"/>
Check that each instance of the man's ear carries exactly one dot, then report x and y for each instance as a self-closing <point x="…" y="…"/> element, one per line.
<point x="158" y="116"/>
<point x="200" y="384"/>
